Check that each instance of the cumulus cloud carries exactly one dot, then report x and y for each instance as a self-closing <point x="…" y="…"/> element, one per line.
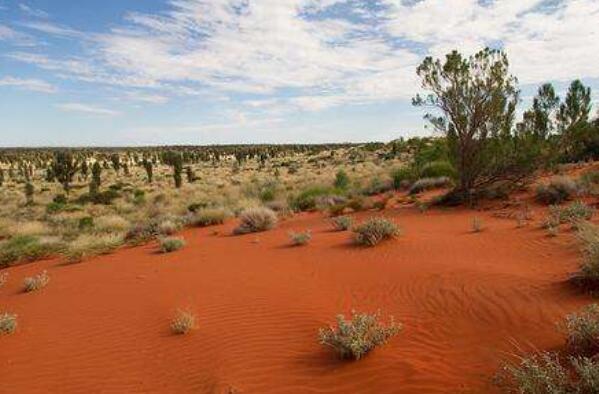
<point x="34" y="85"/>
<point x="86" y="109"/>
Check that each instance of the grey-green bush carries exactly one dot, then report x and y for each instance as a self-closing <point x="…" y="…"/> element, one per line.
<point x="375" y="230"/>
<point x="254" y="220"/>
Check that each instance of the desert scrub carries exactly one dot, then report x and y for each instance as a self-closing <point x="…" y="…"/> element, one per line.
<point x="37" y="282"/>
<point x="358" y="336"/>
<point x="255" y="220"/>
<point x="300" y="238"/>
<point x="171" y="244"/>
<point x="91" y="245"/>
<point x="111" y="224"/>
<point x="430" y="183"/>
<point x="559" y="189"/>
<point x="582" y="330"/>
<point x="342" y="223"/>
<point x="25" y="248"/>
<point x="210" y="217"/>
<point x="183" y="322"/>
<point x="574" y="212"/>
<point x="8" y="323"/>
<point x="168" y="227"/>
<point x="375" y="230"/>
<point x="588" y="235"/>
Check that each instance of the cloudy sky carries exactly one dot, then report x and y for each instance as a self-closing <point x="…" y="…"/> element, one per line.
<point x="132" y="72"/>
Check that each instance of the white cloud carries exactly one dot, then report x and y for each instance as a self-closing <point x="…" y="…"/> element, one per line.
<point x="86" y="109"/>
<point x="35" y="85"/>
<point x="15" y="37"/>
<point x="34" y="12"/>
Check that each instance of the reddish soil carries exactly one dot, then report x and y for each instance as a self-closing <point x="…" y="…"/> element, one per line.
<point x="467" y="301"/>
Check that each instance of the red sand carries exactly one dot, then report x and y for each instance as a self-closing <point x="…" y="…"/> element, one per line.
<point x="467" y="301"/>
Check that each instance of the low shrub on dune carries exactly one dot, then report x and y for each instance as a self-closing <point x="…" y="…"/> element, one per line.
<point x="183" y="322"/>
<point x="171" y="244"/>
<point x="25" y="248"/>
<point x="8" y="323"/>
<point x="300" y="238"/>
<point x="375" y="230"/>
<point x="582" y="331"/>
<point x="356" y="337"/>
<point x="37" y="282"/>
<point x="210" y="217"/>
<point x="588" y="235"/>
<point x="342" y="223"/>
<point x="573" y="213"/>
<point x="424" y="184"/>
<point x="254" y="220"/>
<point x="558" y="190"/>
<point x="93" y="244"/>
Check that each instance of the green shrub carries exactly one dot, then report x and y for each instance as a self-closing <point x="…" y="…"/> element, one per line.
<point x="210" y="217"/>
<point x="375" y="230"/>
<point x="300" y="238"/>
<point x="8" y="323"/>
<point x="588" y="235"/>
<point x="196" y="206"/>
<point x="55" y="207"/>
<point x="307" y="200"/>
<point x="402" y="177"/>
<point x="559" y="189"/>
<point x="255" y="220"/>
<point x="574" y="212"/>
<point x="37" y="282"/>
<point x="86" y="223"/>
<point x="356" y="337"/>
<point x="438" y="169"/>
<point x="587" y="371"/>
<point x="342" y="223"/>
<point x="538" y="374"/>
<point x="24" y="248"/>
<point x="171" y="244"/>
<point x="378" y="186"/>
<point x="583" y="331"/>
<point x="341" y="180"/>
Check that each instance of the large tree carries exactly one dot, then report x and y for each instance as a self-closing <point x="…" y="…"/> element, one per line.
<point x="474" y="101"/>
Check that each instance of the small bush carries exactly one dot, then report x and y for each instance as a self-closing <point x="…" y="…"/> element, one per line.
<point x="8" y="323"/>
<point x="88" y="245"/>
<point x="210" y="217"/>
<point x="558" y="190"/>
<point x="36" y="282"/>
<point x="438" y="169"/>
<point x="342" y="223"/>
<point x="430" y="183"/>
<point x="111" y="224"/>
<point x="574" y="212"/>
<point x="583" y="330"/>
<point x="171" y="244"/>
<point x="356" y="337"/>
<point x="301" y="238"/>
<point x="307" y="200"/>
<point x="168" y="227"/>
<point x="402" y="177"/>
<point x="587" y="371"/>
<point x="375" y="230"/>
<point x="86" y="223"/>
<point x="538" y="374"/>
<point x="588" y="235"/>
<point x="183" y="322"/>
<point x="256" y="220"/>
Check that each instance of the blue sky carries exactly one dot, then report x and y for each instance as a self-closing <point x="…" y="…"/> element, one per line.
<point x="131" y="72"/>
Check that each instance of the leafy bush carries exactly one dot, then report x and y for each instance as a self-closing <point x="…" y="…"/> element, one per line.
<point x="356" y="337"/>
<point x="375" y="230"/>
<point x="583" y="330"/>
<point x="171" y="244"/>
<point x="559" y="189"/>
<point x="24" y="248"/>
<point x="210" y="217"/>
<point x="430" y="183"/>
<point x="183" y="322"/>
<point x="36" y="282"/>
<point x="255" y="220"/>
<point x="342" y="223"/>
<point x="8" y="323"/>
<point x="438" y="169"/>
<point x="301" y="238"/>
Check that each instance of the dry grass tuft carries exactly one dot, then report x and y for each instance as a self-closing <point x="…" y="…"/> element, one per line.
<point x="254" y="220"/>
<point x="36" y="282"/>
<point x="8" y="323"/>
<point x="183" y="322"/>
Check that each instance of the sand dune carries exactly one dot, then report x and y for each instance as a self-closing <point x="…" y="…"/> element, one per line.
<point x="467" y="301"/>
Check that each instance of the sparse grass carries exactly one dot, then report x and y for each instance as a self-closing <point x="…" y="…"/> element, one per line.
<point x="477" y="225"/>
<point x="37" y="282"/>
<point x="342" y="223"/>
<point x="24" y="248"/>
<point x="171" y="244"/>
<point x="375" y="230"/>
<point x="183" y="322"/>
<point x="31" y="228"/>
<point x="356" y="337"/>
<point x="300" y="238"/>
<point x="168" y="227"/>
<point x="8" y="323"/>
<point x="111" y="224"/>
<point x="582" y="331"/>
<point x="256" y="220"/>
